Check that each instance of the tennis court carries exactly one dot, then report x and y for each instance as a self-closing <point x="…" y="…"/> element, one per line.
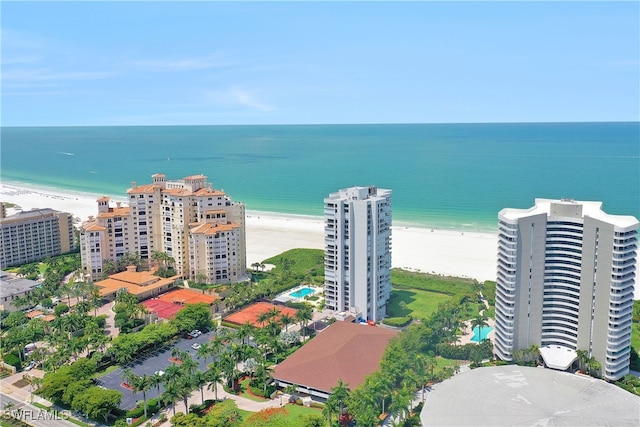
<point x="251" y="313"/>
<point x="164" y="309"/>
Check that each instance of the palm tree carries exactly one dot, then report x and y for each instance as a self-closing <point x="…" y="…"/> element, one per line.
<point x="583" y="358"/>
<point x="204" y="351"/>
<point x="304" y="315"/>
<point x="286" y="320"/>
<point x="479" y="321"/>
<point x="171" y="394"/>
<point x="156" y="380"/>
<point x="330" y="408"/>
<point x="263" y="318"/>
<point x="244" y="332"/>
<point x="139" y="383"/>
<point x="214" y="376"/>
<point x="200" y="380"/>
<point x="339" y="395"/>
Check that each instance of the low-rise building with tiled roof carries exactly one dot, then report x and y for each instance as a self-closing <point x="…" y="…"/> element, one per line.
<point x="142" y="284"/>
<point x="343" y="351"/>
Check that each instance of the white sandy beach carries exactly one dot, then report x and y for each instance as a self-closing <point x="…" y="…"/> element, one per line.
<point x="452" y="253"/>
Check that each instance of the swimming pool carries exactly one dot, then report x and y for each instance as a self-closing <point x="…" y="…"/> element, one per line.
<point x="301" y="293"/>
<point x="486" y="330"/>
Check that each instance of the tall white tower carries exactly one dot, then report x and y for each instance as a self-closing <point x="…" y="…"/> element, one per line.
<point x="358" y="251"/>
<point x="565" y="282"/>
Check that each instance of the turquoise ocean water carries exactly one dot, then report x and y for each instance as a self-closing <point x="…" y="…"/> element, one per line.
<point x="454" y="176"/>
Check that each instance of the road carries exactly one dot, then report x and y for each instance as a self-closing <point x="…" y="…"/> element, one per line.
<point x="32" y="415"/>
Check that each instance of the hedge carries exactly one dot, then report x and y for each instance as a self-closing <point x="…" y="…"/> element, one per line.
<point x="397" y="321"/>
<point x="13" y="360"/>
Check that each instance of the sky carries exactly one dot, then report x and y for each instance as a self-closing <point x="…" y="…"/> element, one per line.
<point x="216" y="63"/>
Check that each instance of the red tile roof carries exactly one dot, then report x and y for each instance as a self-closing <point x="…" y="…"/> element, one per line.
<point x="343" y="351"/>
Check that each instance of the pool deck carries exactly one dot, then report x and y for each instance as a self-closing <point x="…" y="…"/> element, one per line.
<point x="465" y="338"/>
<point x="286" y="295"/>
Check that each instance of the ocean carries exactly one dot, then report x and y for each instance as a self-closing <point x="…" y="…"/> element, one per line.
<point x="449" y="176"/>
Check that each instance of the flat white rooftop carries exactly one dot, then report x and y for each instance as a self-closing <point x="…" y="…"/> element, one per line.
<point x="588" y="208"/>
<point x="558" y="357"/>
<point x="522" y="396"/>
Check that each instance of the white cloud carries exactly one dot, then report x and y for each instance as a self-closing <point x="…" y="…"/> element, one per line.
<point x="43" y="75"/>
<point x="183" y="64"/>
<point x="240" y="96"/>
<point x="20" y="59"/>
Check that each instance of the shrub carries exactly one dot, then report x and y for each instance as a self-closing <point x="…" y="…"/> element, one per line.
<point x="136" y="412"/>
<point x="60" y="309"/>
<point x="397" y="321"/>
<point x="13" y="360"/>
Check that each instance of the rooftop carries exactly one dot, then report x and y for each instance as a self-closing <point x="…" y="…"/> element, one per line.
<point x="580" y="209"/>
<point x="135" y="282"/>
<point x="346" y="351"/>
<point x="522" y="396"/>
<point x="10" y="286"/>
<point x="32" y="214"/>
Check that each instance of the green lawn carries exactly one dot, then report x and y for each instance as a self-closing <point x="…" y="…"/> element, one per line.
<point x="635" y="336"/>
<point x="420" y="304"/>
<point x="294" y="413"/>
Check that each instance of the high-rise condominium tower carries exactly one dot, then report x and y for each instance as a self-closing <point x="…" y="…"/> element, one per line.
<point x="358" y="251"/>
<point x="565" y="282"/>
<point x="201" y="228"/>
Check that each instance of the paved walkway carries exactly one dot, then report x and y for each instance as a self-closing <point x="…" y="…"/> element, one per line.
<point x="242" y="402"/>
<point x="22" y="399"/>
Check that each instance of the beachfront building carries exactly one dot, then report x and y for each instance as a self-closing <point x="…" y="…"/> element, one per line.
<point x="565" y="282"/>
<point x="200" y="228"/>
<point x="358" y="251"/>
<point x="34" y="235"/>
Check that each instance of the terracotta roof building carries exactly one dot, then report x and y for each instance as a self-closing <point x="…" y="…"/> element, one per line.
<point x="142" y="284"/>
<point x="344" y="351"/>
<point x="202" y="229"/>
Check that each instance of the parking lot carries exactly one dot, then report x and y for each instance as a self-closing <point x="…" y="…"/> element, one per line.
<point x="159" y="361"/>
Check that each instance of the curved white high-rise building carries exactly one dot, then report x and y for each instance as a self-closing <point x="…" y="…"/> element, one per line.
<point x="357" y="261"/>
<point x="565" y="282"/>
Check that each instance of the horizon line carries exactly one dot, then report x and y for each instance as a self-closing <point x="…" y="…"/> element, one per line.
<point x="329" y="124"/>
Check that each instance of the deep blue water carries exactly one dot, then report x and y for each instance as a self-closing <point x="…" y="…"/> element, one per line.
<point x="442" y="175"/>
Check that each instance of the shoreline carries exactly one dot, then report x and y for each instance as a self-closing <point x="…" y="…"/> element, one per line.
<point x="444" y="252"/>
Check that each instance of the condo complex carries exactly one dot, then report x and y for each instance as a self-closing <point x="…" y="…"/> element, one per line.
<point x="201" y="229"/>
<point x="358" y="251"/>
<point x="565" y="282"/>
<point x="34" y="235"/>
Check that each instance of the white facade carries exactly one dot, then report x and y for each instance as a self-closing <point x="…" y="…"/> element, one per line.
<point x="565" y="281"/>
<point x="358" y="251"/>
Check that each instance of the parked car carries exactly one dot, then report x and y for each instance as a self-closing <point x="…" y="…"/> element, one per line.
<point x="196" y="346"/>
<point x="195" y="333"/>
<point x="30" y="366"/>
